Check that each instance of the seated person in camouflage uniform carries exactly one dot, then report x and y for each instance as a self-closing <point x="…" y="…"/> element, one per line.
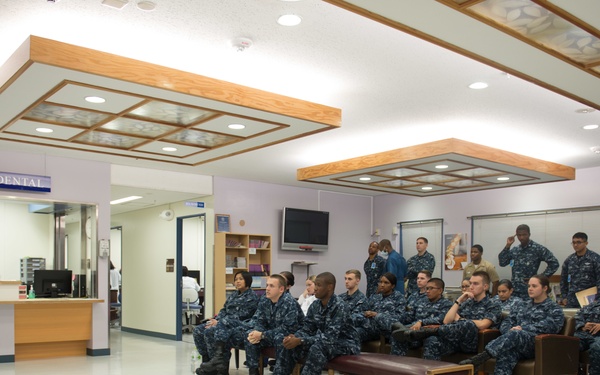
<point x="239" y="308"/>
<point x="424" y="312"/>
<point x="505" y="296"/>
<point x="275" y="318"/>
<point x="353" y="297"/>
<point x="538" y="315"/>
<point x="327" y="331"/>
<point x="587" y="328"/>
<point x="382" y="310"/>
<point x="422" y="278"/>
<point x="472" y="311"/>
<point x="580" y="271"/>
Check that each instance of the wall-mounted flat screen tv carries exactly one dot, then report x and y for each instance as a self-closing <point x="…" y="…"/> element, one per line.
<point x="304" y="230"/>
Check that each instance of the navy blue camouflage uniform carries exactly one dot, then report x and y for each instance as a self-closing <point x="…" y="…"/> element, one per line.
<point x="513" y="345"/>
<point x="415" y="265"/>
<point x="327" y="332"/>
<point x="275" y="321"/>
<point x="461" y="335"/>
<point x="579" y="273"/>
<point x="373" y="271"/>
<point x="415" y="298"/>
<point x="512" y="302"/>
<point x="525" y="262"/>
<point x="238" y="308"/>
<point x="357" y="303"/>
<point x="587" y="341"/>
<point x="390" y="309"/>
<point x="425" y="311"/>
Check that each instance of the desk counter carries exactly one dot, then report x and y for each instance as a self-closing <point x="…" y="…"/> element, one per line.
<point x="45" y="327"/>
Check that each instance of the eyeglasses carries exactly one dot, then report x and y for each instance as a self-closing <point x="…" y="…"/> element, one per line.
<point x="431" y="287"/>
<point x="577" y="242"/>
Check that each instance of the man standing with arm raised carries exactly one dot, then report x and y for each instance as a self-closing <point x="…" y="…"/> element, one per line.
<point x="525" y="260"/>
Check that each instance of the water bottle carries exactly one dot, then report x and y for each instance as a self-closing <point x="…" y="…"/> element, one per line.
<point x="31" y="293"/>
<point x="196" y="360"/>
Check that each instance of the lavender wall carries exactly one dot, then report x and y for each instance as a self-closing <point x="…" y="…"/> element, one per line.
<point x="455" y="208"/>
<point x="260" y="206"/>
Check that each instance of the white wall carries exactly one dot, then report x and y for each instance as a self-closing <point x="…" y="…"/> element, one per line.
<point x="456" y="208"/>
<point x="260" y="206"/>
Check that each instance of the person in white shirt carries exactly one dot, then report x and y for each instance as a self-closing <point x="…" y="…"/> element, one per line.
<point x="115" y="278"/>
<point x="308" y="296"/>
<point x="189" y="282"/>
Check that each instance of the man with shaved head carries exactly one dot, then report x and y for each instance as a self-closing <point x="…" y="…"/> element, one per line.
<point x="327" y="331"/>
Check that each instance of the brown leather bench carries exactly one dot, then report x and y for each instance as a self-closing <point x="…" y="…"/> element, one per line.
<point x="385" y="364"/>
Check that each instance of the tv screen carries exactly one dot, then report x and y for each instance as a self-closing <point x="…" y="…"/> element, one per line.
<point x="305" y="230"/>
<point x="52" y="283"/>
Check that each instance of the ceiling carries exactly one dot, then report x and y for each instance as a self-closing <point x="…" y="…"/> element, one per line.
<point x="398" y="71"/>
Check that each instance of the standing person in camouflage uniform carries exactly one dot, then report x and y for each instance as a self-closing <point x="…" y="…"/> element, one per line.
<point x="422" y="279"/>
<point x="525" y="259"/>
<point x="580" y="271"/>
<point x="374" y="267"/>
<point x="383" y="309"/>
<point x="353" y="297"/>
<point x="472" y="311"/>
<point x="428" y="311"/>
<point x="327" y="332"/>
<point x="239" y="308"/>
<point x="395" y="263"/>
<point x="538" y="315"/>
<point x="587" y="328"/>
<point x="275" y="318"/>
<point x="422" y="261"/>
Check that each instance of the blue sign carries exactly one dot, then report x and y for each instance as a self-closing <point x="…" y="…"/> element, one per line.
<point x="28" y="182"/>
<point x="195" y="204"/>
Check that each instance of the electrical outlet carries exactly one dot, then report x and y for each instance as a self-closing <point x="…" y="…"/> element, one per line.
<point x="377" y="232"/>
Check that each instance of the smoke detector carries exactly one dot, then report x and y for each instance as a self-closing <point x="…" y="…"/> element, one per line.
<point x="241" y="44"/>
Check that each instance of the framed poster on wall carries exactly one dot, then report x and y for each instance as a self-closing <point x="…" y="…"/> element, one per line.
<point x="222" y="223"/>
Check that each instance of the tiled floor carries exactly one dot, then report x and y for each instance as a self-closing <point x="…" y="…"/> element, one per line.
<point x="132" y="354"/>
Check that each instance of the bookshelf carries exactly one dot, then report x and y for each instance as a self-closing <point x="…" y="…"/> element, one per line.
<point x="238" y="252"/>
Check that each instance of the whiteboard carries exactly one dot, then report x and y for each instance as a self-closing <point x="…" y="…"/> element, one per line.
<point x="553" y="229"/>
<point x="430" y="229"/>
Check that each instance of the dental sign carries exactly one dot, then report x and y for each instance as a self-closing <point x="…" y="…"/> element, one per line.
<point x="27" y="182"/>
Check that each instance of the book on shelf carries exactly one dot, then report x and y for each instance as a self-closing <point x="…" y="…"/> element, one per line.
<point x="230" y="242"/>
<point x="259" y="269"/>
<point x="240" y="262"/>
<point x="258" y="244"/>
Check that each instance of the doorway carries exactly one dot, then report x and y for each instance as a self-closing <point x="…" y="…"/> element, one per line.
<point x="191" y="252"/>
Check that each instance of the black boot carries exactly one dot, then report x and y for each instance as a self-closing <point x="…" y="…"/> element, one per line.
<point x="200" y="371"/>
<point x="477" y="360"/>
<point x="217" y="363"/>
<point x="421" y="334"/>
<point x="400" y="332"/>
<point x="253" y="371"/>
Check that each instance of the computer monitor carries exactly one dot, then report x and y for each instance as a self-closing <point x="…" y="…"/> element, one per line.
<point x="52" y="283"/>
<point x="195" y="274"/>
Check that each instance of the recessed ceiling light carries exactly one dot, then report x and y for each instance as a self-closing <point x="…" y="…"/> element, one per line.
<point x="169" y="149"/>
<point x="146" y="5"/>
<point x="94" y="99"/>
<point x="289" y="20"/>
<point x="44" y="130"/>
<point x="503" y="178"/>
<point x="590" y="127"/>
<point x="365" y="179"/>
<point x="126" y="199"/>
<point x="236" y="126"/>
<point x="426" y="188"/>
<point x="478" y="85"/>
<point x="585" y="110"/>
<point x="441" y="166"/>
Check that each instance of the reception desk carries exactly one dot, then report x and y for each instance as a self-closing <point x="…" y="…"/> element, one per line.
<point x="45" y="328"/>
